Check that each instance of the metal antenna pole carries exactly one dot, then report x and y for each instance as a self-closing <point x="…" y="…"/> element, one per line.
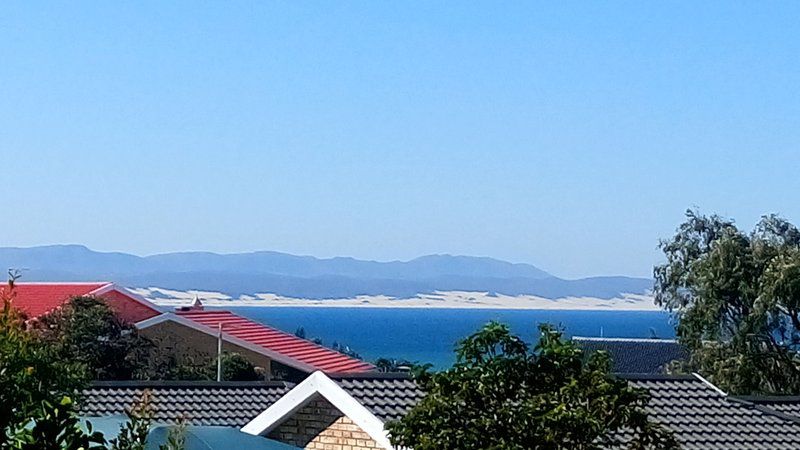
<point x="219" y="353"/>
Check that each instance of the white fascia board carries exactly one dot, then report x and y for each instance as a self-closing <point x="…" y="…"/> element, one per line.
<point x="300" y="395"/>
<point x="709" y="384"/>
<point x="273" y="355"/>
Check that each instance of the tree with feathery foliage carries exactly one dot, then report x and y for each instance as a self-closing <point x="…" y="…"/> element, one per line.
<point x="736" y="296"/>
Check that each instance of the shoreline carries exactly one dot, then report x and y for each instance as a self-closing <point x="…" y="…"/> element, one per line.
<point x="437" y="300"/>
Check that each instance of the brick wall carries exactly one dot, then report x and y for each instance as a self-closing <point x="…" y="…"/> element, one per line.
<point x="320" y="426"/>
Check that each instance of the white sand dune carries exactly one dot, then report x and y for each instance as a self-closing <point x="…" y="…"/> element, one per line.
<point x="450" y="299"/>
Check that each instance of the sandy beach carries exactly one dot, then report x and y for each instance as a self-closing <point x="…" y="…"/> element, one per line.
<point x="450" y="299"/>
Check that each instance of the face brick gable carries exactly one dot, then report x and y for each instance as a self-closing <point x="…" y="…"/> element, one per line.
<point x="321" y="426"/>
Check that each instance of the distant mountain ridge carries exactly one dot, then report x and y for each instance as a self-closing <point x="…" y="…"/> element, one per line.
<point x="306" y="276"/>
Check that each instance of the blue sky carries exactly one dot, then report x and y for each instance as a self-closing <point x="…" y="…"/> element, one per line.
<point x="570" y="135"/>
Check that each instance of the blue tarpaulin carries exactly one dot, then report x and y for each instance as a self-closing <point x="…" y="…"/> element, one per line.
<point x="197" y="437"/>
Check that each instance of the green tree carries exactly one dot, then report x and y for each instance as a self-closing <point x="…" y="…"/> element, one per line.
<point x="36" y="389"/>
<point x="236" y="367"/>
<point x="500" y="394"/>
<point x="55" y="426"/>
<point x="88" y="331"/>
<point x="736" y="296"/>
<point x="400" y="365"/>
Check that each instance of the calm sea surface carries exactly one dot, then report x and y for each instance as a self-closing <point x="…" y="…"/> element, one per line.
<point x="429" y="335"/>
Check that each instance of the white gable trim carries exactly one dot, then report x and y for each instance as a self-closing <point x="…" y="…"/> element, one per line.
<point x="273" y="355"/>
<point x="300" y="395"/>
<point x="709" y="384"/>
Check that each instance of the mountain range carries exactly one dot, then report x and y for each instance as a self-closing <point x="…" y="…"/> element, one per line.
<point x="306" y="276"/>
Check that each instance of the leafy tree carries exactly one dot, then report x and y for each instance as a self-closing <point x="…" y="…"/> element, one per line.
<point x="87" y="330"/>
<point x="236" y="367"/>
<point x="400" y="365"/>
<point x="33" y="381"/>
<point x="501" y="395"/>
<point x="36" y="389"/>
<point x="56" y="427"/>
<point x="736" y="296"/>
<point x="393" y="365"/>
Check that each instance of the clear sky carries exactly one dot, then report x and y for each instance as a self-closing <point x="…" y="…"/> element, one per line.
<point x="567" y="135"/>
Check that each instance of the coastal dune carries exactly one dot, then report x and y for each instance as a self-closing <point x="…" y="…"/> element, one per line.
<point x="438" y="299"/>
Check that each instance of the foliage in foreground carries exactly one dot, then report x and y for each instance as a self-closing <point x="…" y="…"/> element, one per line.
<point x="36" y="388"/>
<point x="737" y="300"/>
<point x="500" y="394"/>
<point x="37" y="385"/>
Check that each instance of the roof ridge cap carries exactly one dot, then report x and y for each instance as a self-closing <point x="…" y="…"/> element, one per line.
<point x="764" y="409"/>
<point x="622" y="339"/>
<point x="186" y="383"/>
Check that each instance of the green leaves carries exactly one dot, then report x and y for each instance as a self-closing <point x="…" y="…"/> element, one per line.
<point x="36" y="387"/>
<point x="133" y="433"/>
<point x="737" y="300"/>
<point x="500" y="394"/>
<point x="56" y="427"/>
<point x="88" y="331"/>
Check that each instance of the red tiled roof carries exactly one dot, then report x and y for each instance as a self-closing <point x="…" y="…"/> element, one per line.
<point x="36" y="299"/>
<point x="289" y="345"/>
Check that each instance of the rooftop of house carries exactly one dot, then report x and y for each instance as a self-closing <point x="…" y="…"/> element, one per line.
<point x="230" y="404"/>
<point x="389" y="396"/>
<point x="789" y="405"/>
<point x="37" y="299"/>
<point x="274" y="340"/>
<point x="700" y="415"/>
<point x="636" y="355"/>
<point x="703" y="417"/>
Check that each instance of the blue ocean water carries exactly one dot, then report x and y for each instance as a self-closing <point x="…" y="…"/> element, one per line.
<point x="429" y="335"/>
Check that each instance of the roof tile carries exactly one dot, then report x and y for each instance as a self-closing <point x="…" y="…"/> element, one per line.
<point x="291" y="346"/>
<point x="201" y="403"/>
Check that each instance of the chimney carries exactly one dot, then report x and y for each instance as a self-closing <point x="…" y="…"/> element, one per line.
<point x="196" y="305"/>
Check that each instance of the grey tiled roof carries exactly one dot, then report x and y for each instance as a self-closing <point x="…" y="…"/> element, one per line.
<point x="703" y="418"/>
<point x="201" y="403"/>
<point x="789" y="405"/>
<point x="387" y="395"/>
<point x="636" y="355"/>
<point x="700" y="416"/>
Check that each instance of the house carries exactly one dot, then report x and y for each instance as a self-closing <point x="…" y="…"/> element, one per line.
<point x="281" y="354"/>
<point x="350" y="408"/>
<point x="38" y="299"/>
<point x="338" y="413"/>
<point x="636" y="355"/>
<point x="194" y="329"/>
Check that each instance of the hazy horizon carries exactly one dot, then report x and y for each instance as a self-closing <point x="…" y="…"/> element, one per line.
<point x="571" y="136"/>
